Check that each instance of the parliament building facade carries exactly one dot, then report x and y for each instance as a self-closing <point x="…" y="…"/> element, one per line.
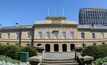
<point x="55" y="34"/>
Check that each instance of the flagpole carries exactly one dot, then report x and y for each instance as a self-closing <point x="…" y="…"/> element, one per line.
<point x="63" y="13"/>
<point x="55" y="11"/>
<point x="48" y="12"/>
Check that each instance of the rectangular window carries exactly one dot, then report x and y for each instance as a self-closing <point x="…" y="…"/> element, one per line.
<point x="29" y="34"/>
<point x="40" y="35"/>
<point x="82" y="35"/>
<point x="8" y="35"/>
<point x="93" y="35"/>
<point x="47" y="35"/>
<point x="55" y="34"/>
<point x="102" y="34"/>
<point x="17" y="34"/>
<point x="71" y="35"/>
<point x="0" y="35"/>
<point x="64" y="35"/>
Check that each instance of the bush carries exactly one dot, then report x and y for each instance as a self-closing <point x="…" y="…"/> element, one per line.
<point x="32" y="51"/>
<point x="96" y="51"/>
<point x="7" y="59"/>
<point x="100" y="61"/>
<point x="13" y="51"/>
<point x="3" y="49"/>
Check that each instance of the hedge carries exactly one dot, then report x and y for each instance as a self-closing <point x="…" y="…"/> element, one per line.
<point x="100" y="61"/>
<point x="32" y="51"/>
<point x="96" y="51"/>
<point x="13" y="51"/>
<point x="8" y="59"/>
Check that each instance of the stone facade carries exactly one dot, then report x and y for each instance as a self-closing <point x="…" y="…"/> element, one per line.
<point x="55" y="34"/>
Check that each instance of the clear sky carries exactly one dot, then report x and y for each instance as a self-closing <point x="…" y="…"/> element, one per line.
<point x="26" y="12"/>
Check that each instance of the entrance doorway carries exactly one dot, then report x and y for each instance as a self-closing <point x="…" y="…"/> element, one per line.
<point x="47" y="47"/>
<point x="72" y="46"/>
<point x="56" y="47"/>
<point x="64" y="47"/>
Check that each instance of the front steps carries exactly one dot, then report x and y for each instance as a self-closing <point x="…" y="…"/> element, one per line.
<point x="59" y="62"/>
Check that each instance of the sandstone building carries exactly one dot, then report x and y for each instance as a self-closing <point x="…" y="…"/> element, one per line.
<point x="55" y="34"/>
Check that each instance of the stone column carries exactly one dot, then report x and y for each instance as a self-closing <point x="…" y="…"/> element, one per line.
<point x="68" y="47"/>
<point x="60" y="47"/>
<point x="51" y="47"/>
<point x="43" y="34"/>
<point x="75" y="33"/>
<point x="60" y="35"/>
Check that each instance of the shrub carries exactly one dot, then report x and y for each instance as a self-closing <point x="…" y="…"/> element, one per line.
<point x="100" y="61"/>
<point x="8" y="59"/>
<point x="13" y="51"/>
<point x="96" y="51"/>
<point x="3" y="49"/>
<point x="32" y="51"/>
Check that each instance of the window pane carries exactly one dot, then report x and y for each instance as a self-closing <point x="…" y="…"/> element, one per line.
<point x="102" y="35"/>
<point x="82" y="35"/>
<point x="47" y="35"/>
<point x="55" y="35"/>
<point x="40" y="35"/>
<point x="71" y="35"/>
<point x="64" y="35"/>
<point x="8" y="35"/>
<point x="17" y="35"/>
<point x="93" y="35"/>
<point x="0" y="35"/>
<point x="29" y="34"/>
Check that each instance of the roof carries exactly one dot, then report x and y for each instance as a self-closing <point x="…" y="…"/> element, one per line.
<point x="93" y="9"/>
<point x="91" y="27"/>
<point x="16" y="27"/>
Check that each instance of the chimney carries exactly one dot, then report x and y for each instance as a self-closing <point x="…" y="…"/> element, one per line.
<point x="17" y="24"/>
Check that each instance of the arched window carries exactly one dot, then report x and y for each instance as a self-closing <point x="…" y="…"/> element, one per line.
<point x="55" y="34"/>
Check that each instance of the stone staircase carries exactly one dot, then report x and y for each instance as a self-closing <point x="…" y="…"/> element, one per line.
<point x="59" y="55"/>
<point x="59" y="58"/>
<point x="59" y="62"/>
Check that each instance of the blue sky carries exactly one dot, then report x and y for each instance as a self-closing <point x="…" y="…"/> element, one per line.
<point x="26" y="12"/>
